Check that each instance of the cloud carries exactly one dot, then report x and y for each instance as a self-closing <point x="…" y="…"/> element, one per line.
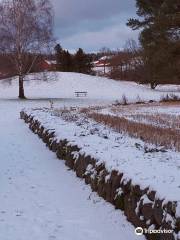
<point x="92" y="24"/>
<point x="66" y="10"/>
<point x="113" y="37"/>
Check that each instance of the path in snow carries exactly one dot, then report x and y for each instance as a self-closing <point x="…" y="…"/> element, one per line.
<point x="41" y="199"/>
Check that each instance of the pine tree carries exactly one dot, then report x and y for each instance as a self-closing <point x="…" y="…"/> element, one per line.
<point x="82" y="62"/>
<point x="160" y="39"/>
<point x="58" y="53"/>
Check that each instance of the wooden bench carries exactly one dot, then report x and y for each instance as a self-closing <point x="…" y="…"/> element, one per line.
<point x="80" y="94"/>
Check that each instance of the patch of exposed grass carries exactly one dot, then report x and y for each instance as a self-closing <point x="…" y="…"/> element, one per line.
<point x="167" y="137"/>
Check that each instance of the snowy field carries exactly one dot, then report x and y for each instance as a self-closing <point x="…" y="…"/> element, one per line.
<point x="39" y="198"/>
<point x="153" y="108"/>
<point x="166" y="115"/>
<point x="63" y="85"/>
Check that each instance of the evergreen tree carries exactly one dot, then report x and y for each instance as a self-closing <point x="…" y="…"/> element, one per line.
<point x="82" y="62"/>
<point x="160" y="39"/>
<point x="58" y="53"/>
<point x="67" y="63"/>
<point x="63" y="59"/>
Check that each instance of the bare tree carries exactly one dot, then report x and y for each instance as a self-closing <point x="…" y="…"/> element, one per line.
<point x="135" y="53"/>
<point x="25" y="33"/>
<point x="128" y="63"/>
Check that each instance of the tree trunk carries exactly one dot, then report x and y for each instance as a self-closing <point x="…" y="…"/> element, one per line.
<point x="104" y="67"/>
<point x="21" y="87"/>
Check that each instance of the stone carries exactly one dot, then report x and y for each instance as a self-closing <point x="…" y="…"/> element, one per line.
<point x="151" y="195"/>
<point x="166" y="236"/>
<point x="108" y="187"/>
<point x="115" y="180"/>
<point x="147" y="211"/>
<point x="158" y="215"/>
<point x="127" y="199"/>
<point x="137" y="190"/>
<point x="130" y="204"/>
<point x="178" y="224"/>
<point x="126" y="186"/>
<point x="119" y="202"/>
<point x="80" y="165"/>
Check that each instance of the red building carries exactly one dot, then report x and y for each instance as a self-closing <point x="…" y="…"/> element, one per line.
<point x="47" y="65"/>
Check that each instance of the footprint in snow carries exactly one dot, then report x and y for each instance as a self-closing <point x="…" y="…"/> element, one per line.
<point x="3" y="212"/>
<point x="52" y="237"/>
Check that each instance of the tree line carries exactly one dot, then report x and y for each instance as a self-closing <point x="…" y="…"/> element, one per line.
<point x="78" y="62"/>
<point x="29" y="35"/>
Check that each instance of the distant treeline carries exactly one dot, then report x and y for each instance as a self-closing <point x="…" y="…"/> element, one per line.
<point x="78" y="62"/>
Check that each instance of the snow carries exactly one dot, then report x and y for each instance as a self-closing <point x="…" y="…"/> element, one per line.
<point x="158" y="170"/>
<point x="101" y="89"/>
<point x="146" y="109"/>
<point x="105" y="57"/>
<point x="41" y="199"/>
<point x="100" y="69"/>
<point x="164" y="115"/>
<point x="50" y="62"/>
<point x="145" y="199"/>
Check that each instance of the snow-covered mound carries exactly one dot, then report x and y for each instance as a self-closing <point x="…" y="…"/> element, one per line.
<point x="63" y="85"/>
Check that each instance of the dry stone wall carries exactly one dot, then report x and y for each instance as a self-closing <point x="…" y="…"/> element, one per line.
<point x="141" y="206"/>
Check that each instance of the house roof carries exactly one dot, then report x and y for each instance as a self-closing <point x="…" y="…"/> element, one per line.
<point x="51" y="62"/>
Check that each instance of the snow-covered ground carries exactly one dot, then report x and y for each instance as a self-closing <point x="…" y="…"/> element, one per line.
<point x="132" y="109"/>
<point x="39" y="198"/>
<point x="63" y="85"/>
<point x="158" y="170"/>
<point x="166" y="115"/>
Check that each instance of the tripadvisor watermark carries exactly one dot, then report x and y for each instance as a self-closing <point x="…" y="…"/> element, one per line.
<point x="140" y="231"/>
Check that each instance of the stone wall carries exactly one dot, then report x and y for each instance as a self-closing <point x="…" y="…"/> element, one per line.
<point x="141" y="206"/>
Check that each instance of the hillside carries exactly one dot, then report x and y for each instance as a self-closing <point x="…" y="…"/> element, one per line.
<point x="40" y="198"/>
<point x="63" y="85"/>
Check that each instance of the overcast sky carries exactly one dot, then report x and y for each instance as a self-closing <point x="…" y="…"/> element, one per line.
<point x="93" y="24"/>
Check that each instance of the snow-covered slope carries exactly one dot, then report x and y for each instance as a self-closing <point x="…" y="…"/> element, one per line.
<point x="63" y="85"/>
<point x="39" y="198"/>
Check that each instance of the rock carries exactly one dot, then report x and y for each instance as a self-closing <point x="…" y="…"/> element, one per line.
<point x="94" y="183"/>
<point x="54" y="146"/>
<point x="130" y="204"/>
<point x="166" y="236"/>
<point x="115" y="184"/>
<point x="108" y="187"/>
<point x="178" y="224"/>
<point x="129" y="194"/>
<point x="119" y="202"/>
<point x="101" y="184"/>
<point x="158" y="215"/>
<point x="126" y="186"/>
<point x="147" y="211"/>
<point x="80" y="165"/>
<point x="151" y="195"/>
<point x="137" y="190"/>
